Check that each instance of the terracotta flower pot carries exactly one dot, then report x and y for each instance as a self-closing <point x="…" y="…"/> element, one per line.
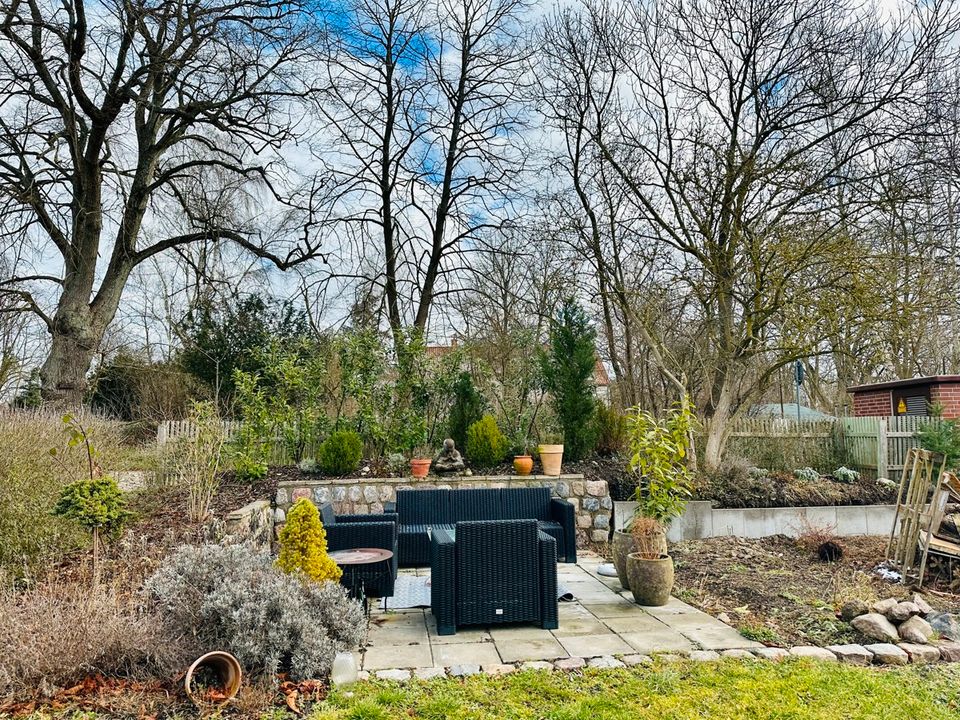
<point x="221" y="665"/>
<point x="419" y="467"/>
<point x="651" y="580"/>
<point x="522" y="464"/>
<point x="623" y="545"/>
<point x="551" y="458"/>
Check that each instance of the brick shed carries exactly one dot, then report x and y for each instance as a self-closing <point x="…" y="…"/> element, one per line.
<point x="907" y="397"/>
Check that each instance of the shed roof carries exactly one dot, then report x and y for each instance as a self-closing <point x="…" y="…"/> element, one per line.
<point x="927" y="380"/>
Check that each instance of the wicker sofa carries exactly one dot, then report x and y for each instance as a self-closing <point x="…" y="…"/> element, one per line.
<point x="421" y="512"/>
<point x="347" y="532"/>
<point x="477" y="581"/>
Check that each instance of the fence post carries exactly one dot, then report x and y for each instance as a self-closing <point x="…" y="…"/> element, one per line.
<point x="882" y="448"/>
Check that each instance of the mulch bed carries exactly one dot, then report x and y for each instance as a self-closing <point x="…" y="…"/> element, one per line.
<point x="780" y="489"/>
<point x="777" y="592"/>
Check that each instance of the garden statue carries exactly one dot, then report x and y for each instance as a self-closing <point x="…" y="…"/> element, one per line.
<point x="449" y="460"/>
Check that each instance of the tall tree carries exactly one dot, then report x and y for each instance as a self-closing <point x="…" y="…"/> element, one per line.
<point x="423" y="110"/>
<point x="132" y="127"/>
<point x="735" y="125"/>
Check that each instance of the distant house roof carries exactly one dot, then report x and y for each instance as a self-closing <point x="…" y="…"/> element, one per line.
<point x="887" y="385"/>
<point x="789" y="412"/>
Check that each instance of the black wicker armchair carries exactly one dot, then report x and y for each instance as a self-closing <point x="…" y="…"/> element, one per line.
<point x="346" y="532"/>
<point x="490" y="572"/>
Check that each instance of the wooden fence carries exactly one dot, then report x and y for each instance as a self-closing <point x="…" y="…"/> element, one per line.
<point x="874" y="446"/>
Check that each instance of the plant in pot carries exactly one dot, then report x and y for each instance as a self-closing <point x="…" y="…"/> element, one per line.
<point x="649" y="567"/>
<point x="420" y="462"/>
<point x="658" y="456"/>
<point x="551" y="453"/>
<point x="522" y="460"/>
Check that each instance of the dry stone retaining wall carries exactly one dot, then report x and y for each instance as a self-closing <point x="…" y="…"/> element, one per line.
<point x="590" y="498"/>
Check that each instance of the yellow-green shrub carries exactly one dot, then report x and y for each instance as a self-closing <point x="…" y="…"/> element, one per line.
<point x="486" y="445"/>
<point x="303" y="544"/>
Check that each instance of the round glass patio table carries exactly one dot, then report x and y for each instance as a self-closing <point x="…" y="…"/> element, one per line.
<point x="353" y="561"/>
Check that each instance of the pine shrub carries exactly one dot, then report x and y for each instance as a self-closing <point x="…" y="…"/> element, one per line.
<point x="611" y="429"/>
<point x="234" y="598"/>
<point x="340" y="453"/>
<point x="568" y="369"/>
<point x="303" y="544"/>
<point x="486" y="445"/>
<point x="467" y="408"/>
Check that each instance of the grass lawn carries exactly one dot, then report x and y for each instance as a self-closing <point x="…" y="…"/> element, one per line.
<point x="683" y="690"/>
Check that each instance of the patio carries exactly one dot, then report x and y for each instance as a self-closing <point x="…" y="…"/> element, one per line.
<point x="602" y="626"/>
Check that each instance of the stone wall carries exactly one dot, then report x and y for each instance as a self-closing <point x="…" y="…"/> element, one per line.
<point x="253" y="524"/>
<point x="590" y="498"/>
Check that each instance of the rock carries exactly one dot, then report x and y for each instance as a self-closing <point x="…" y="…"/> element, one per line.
<point x="738" y="654"/>
<point x="920" y="654"/>
<point x="464" y="670"/>
<point x="902" y="611"/>
<point x="916" y="630"/>
<point x="770" y="653"/>
<point x="813" y="653"/>
<point x="430" y="673"/>
<point x="882" y="606"/>
<point x="363" y="676"/>
<point x="947" y="624"/>
<point x="851" y="654"/>
<point x="605" y="661"/>
<point x="704" y="655"/>
<point x="570" y="663"/>
<point x="876" y="627"/>
<point x="669" y="657"/>
<point x="536" y="665"/>
<point x="724" y="618"/>
<point x="633" y="660"/>
<point x="922" y="605"/>
<point x="949" y="651"/>
<point x="396" y="674"/>
<point x="888" y="654"/>
<point x="499" y="669"/>
<point x="852" y="609"/>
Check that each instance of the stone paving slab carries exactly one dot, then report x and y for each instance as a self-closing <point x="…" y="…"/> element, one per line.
<point x="602" y="623"/>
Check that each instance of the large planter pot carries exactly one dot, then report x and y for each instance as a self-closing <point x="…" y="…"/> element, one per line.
<point x="651" y="580"/>
<point x="419" y="467"/>
<point x="623" y="545"/>
<point x="551" y="458"/>
<point x="522" y="464"/>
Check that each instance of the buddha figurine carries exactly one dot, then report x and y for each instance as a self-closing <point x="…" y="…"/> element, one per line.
<point x="449" y="460"/>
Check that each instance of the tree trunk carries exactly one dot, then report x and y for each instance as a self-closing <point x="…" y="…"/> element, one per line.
<point x="716" y="427"/>
<point x="74" y="340"/>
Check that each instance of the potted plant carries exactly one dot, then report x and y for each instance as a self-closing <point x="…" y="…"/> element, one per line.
<point x="522" y="460"/>
<point x="420" y="462"/>
<point x="649" y="567"/>
<point x="551" y="454"/>
<point x="658" y="457"/>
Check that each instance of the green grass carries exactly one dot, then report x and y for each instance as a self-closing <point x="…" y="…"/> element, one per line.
<point x="801" y="690"/>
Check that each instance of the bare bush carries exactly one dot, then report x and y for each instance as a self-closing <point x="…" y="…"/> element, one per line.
<point x="235" y="599"/>
<point x="30" y="482"/>
<point x="55" y="635"/>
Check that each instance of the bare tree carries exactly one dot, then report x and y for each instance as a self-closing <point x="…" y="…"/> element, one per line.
<point x="423" y="109"/>
<point x="735" y="125"/>
<point x="133" y="127"/>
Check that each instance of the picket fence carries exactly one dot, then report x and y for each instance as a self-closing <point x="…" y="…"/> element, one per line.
<point x="874" y="446"/>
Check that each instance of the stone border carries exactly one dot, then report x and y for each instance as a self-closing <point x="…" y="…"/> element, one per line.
<point x="701" y="520"/>
<point x="590" y="498"/>
<point x="862" y="655"/>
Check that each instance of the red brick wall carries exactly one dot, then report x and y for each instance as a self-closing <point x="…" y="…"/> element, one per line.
<point x="947" y="395"/>
<point x="874" y="403"/>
